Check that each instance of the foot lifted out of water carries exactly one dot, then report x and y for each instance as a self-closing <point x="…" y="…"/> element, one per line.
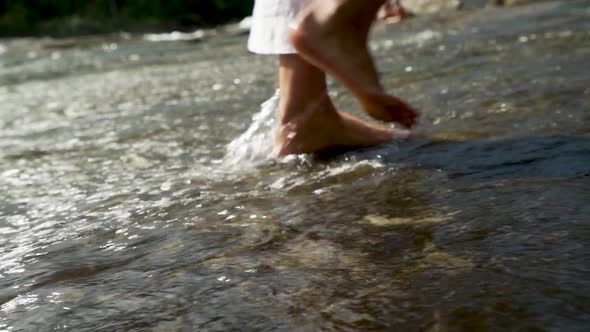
<point x="339" y="48"/>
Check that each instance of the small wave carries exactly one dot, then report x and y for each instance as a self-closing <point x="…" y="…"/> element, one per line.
<point x="421" y="37"/>
<point x="319" y="181"/>
<point x="174" y="36"/>
<point x="418" y="39"/>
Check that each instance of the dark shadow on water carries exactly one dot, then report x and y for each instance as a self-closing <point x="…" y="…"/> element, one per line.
<point x="480" y="160"/>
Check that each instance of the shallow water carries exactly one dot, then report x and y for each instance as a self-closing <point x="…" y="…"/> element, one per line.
<point x="121" y="209"/>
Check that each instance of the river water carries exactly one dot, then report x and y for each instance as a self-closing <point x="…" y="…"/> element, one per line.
<point x="122" y="208"/>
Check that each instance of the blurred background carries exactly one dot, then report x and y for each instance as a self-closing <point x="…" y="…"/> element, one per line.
<point x="69" y="17"/>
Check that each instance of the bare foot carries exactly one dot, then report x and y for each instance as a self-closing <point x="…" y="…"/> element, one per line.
<point x="326" y="129"/>
<point x="388" y="108"/>
<point x="327" y="38"/>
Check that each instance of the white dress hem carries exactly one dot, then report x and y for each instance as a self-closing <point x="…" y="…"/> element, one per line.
<point x="271" y="22"/>
<point x="270" y="35"/>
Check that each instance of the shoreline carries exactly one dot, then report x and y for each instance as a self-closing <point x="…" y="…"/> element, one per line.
<point x="88" y="27"/>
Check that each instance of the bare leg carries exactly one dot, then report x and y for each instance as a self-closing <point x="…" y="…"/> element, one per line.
<point x="332" y="35"/>
<point x="308" y="120"/>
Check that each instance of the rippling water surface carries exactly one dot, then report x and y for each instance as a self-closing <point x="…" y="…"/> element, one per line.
<point x="122" y="209"/>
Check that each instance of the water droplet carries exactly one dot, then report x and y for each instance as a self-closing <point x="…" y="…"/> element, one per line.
<point x="409" y="69"/>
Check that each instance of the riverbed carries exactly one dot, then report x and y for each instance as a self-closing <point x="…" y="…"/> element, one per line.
<point x="125" y="206"/>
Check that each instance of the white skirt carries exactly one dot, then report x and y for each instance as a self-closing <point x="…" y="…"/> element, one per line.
<point x="271" y="23"/>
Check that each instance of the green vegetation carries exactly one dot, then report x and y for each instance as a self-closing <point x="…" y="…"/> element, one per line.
<point x="76" y="17"/>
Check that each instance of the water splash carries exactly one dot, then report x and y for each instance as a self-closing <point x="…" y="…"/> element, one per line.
<point x="255" y="146"/>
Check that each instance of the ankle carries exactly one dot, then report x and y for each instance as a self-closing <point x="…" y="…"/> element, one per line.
<point x="298" y="113"/>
